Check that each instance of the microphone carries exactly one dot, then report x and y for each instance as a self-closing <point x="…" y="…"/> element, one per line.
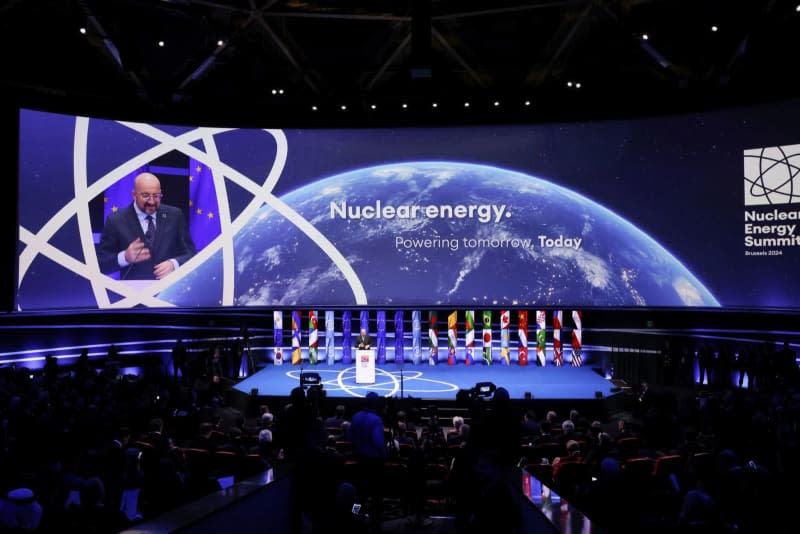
<point x="148" y="244"/>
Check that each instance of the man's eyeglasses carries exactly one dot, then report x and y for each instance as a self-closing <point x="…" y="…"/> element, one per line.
<point x="147" y="196"/>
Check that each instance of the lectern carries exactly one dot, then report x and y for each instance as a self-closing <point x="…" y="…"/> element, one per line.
<point x="365" y="366"/>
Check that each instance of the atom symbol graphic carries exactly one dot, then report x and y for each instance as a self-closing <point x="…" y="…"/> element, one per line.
<point x="38" y="243"/>
<point x="387" y="383"/>
<point x="770" y="175"/>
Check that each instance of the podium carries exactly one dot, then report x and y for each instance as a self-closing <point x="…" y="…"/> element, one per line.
<point x="365" y="366"/>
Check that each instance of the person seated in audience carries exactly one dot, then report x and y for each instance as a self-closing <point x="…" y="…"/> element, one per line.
<point x="599" y="450"/>
<point x="402" y="435"/>
<point x="545" y="434"/>
<point x="453" y="435"/>
<point x="530" y="428"/>
<point x="580" y="422"/>
<point x="265" y="435"/>
<point x="336" y="420"/>
<point x="345" y="431"/>
<point x="594" y="430"/>
<point x="568" y="433"/>
<point x="623" y="431"/>
<point x="552" y="418"/>
<point x="463" y="435"/>
<point x="698" y="510"/>
<point x="573" y="456"/>
<point x="205" y="439"/>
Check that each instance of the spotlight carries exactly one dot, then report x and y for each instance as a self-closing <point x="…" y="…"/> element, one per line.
<point x="280" y="91"/>
<point x="343" y="107"/>
<point x="82" y="30"/>
<point x="405" y="106"/>
<point x="578" y="85"/>
<point x="496" y="103"/>
<point x="274" y="91"/>
<point x="373" y="106"/>
<point x="569" y="84"/>
<point x="466" y="104"/>
<point x="714" y="28"/>
<point x="161" y="44"/>
<point x="645" y="37"/>
<point x="434" y="105"/>
<point x="220" y="42"/>
<point x="314" y="108"/>
<point x="527" y="102"/>
<point x="797" y="8"/>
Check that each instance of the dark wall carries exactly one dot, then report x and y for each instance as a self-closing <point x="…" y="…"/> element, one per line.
<point x="9" y="125"/>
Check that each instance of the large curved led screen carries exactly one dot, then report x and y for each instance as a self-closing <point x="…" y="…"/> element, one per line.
<point x="691" y="210"/>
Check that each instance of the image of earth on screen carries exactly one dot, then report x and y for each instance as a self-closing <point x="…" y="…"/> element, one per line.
<point x="692" y="210"/>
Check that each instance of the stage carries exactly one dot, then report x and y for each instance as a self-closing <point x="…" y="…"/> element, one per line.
<point x="439" y="382"/>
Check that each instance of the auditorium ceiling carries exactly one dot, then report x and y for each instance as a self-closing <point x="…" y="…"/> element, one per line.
<point x="509" y="59"/>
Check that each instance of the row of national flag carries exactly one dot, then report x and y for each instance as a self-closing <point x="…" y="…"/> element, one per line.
<point x="473" y="352"/>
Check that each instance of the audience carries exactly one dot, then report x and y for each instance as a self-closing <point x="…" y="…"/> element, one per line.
<point x="96" y="452"/>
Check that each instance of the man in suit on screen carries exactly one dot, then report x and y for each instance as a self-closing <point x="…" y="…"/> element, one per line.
<point x="147" y="240"/>
<point x="363" y="340"/>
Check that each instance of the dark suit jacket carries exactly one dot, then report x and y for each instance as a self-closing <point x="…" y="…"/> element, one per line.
<point x="366" y="340"/>
<point x="172" y="241"/>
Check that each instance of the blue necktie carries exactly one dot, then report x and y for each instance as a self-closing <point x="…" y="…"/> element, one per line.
<point x="150" y="232"/>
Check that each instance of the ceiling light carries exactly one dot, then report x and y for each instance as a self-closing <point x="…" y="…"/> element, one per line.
<point x="797" y="8"/>
<point x="434" y="105"/>
<point x="274" y="91"/>
<point x="83" y="31"/>
<point x="714" y="28"/>
<point x="343" y="108"/>
<point x="280" y="91"/>
<point x="313" y="108"/>
<point x="496" y="103"/>
<point x="527" y="102"/>
<point x="405" y="106"/>
<point x="466" y="104"/>
<point x="578" y="85"/>
<point x="645" y="37"/>
<point x="373" y="106"/>
<point x="220" y="42"/>
<point x="569" y="84"/>
<point x="161" y="44"/>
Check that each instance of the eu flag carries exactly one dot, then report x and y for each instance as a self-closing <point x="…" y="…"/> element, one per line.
<point x="204" y="223"/>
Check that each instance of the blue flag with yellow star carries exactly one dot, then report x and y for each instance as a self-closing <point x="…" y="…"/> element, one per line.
<point x="204" y="224"/>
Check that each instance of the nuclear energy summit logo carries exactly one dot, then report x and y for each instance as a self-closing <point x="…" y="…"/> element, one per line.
<point x="771" y="179"/>
<point x="771" y="175"/>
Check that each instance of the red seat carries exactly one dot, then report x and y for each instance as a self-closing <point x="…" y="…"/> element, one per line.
<point x="571" y="476"/>
<point x="638" y="471"/>
<point x="226" y="463"/>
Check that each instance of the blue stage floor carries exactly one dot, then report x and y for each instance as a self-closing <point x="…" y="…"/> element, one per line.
<point x="435" y="382"/>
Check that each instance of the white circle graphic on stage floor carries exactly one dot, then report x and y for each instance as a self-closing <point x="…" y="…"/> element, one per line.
<point x="387" y="383"/>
